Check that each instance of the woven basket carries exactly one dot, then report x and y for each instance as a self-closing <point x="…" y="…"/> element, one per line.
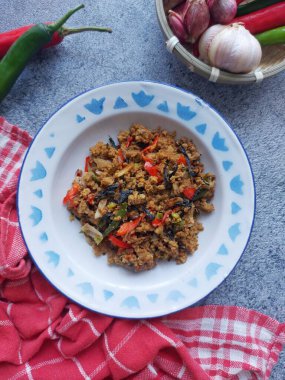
<point x="273" y="58"/>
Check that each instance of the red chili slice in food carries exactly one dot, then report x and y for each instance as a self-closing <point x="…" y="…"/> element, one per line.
<point x="182" y="160"/>
<point x="151" y="147"/>
<point x="86" y="167"/>
<point x="158" y="222"/>
<point x="152" y="169"/>
<point x="118" y="242"/>
<point x="189" y="192"/>
<point x="121" y="155"/>
<point x="71" y="193"/>
<point x="130" y="139"/>
<point x="129" y="226"/>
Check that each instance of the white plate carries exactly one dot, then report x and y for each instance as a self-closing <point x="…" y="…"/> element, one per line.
<point x="61" y="252"/>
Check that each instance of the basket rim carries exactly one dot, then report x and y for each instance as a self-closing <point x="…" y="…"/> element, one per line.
<point x="206" y="70"/>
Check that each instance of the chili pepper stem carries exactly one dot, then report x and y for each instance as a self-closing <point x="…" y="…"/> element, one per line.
<point x="54" y="27"/>
<point x="68" y="31"/>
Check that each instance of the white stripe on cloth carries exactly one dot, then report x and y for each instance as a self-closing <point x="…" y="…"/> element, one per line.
<point x="116" y="349"/>
<point x="121" y="365"/>
<point x="37" y="366"/>
<point x="80" y="368"/>
<point x="158" y="332"/>
<point x="181" y="372"/>
<point x="152" y="369"/>
<point x="14" y="224"/>
<point x="29" y="371"/>
<point x="5" y="323"/>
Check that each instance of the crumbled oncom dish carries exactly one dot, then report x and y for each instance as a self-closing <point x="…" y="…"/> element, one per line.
<point x="138" y="199"/>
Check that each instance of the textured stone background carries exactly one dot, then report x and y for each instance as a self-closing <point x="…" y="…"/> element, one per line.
<point x="136" y="51"/>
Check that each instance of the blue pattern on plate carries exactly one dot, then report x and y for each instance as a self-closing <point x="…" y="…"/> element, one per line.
<point x="43" y="237"/>
<point x="163" y="107"/>
<point x="201" y="128"/>
<point x="87" y="288"/>
<point x="39" y="193"/>
<point x="234" y="231"/>
<point x="142" y="99"/>
<point x="80" y="118"/>
<point x="236" y="185"/>
<point x="184" y="112"/>
<point x="235" y="208"/>
<point x="39" y="172"/>
<point x="152" y="297"/>
<point x="193" y="282"/>
<point x="107" y="294"/>
<point x="131" y="302"/>
<point x="50" y="151"/>
<point x="227" y="165"/>
<point x="70" y="273"/>
<point x="36" y="215"/>
<point x="219" y="143"/>
<point x="223" y="250"/>
<point x="95" y="106"/>
<point x="120" y="103"/>
<point x="175" y="295"/>
<point x="212" y="269"/>
<point x="53" y="258"/>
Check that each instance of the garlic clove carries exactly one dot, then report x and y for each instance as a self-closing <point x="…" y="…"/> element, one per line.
<point x="206" y="40"/>
<point x="196" y="18"/>
<point x="235" y="49"/>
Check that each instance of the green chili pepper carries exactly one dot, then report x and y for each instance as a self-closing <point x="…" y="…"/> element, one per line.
<point x="254" y="6"/>
<point x="272" y="37"/>
<point x="115" y="223"/>
<point x="24" y="49"/>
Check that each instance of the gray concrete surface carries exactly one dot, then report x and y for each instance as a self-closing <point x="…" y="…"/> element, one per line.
<point x="136" y="51"/>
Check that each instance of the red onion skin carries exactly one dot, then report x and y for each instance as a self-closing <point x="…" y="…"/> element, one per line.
<point x="196" y="19"/>
<point x="222" y="11"/>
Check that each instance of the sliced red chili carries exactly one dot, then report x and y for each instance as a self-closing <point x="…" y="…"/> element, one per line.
<point x="86" y="167"/>
<point x="129" y="226"/>
<point x="118" y="242"/>
<point x="189" y="192"/>
<point x="147" y="159"/>
<point x="130" y="139"/>
<point x="91" y="199"/>
<point x="182" y="160"/>
<point x="152" y="169"/>
<point x="71" y="193"/>
<point x="121" y="155"/>
<point x="158" y="222"/>
<point x="151" y="147"/>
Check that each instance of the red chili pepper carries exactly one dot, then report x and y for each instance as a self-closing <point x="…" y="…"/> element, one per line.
<point x="121" y="155"/>
<point x="147" y="159"/>
<point x="118" y="242"/>
<point x="8" y="38"/>
<point x="71" y="193"/>
<point x="182" y="160"/>
<point x="130" y="139"/>
<point x="189" y="192"/>
<point x="129" y="226"/>
<point x="268" y="18"/>
<point x="152" y="169"/>
<point x="152" y="146"/>
<point x="86" y="167"/>
<point x="91" y="199"/>
<point x="158" y="222"/>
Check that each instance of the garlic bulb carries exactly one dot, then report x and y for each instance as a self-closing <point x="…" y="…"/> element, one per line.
<point x="231" y="48"/>
<point x="206" y="40"/>
<point x="222" y="11"/>
<point x="196" y="18"/>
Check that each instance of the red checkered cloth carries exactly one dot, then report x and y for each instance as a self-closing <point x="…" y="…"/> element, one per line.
<point x="45" y="336"/>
